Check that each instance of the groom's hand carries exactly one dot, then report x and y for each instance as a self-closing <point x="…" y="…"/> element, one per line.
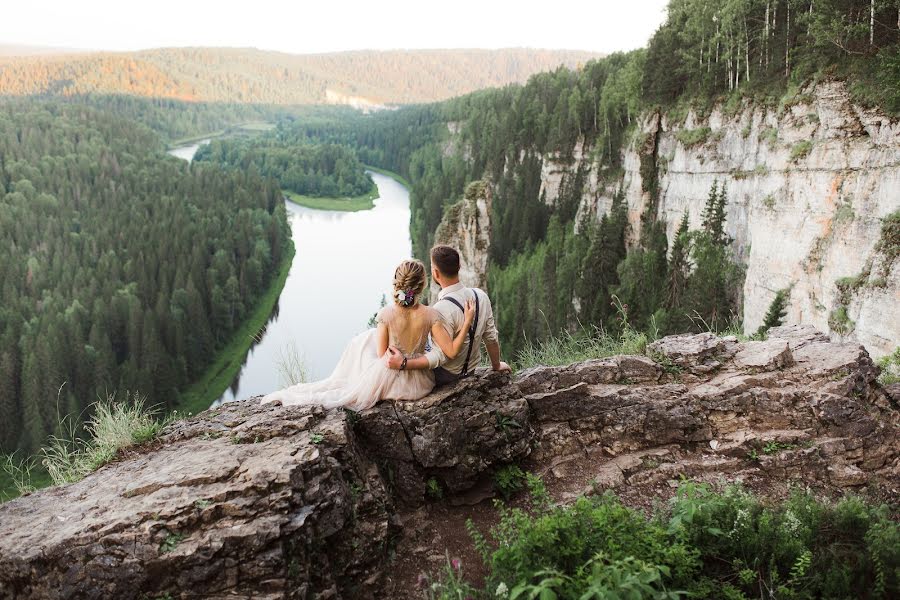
<point x="395" y="358"/>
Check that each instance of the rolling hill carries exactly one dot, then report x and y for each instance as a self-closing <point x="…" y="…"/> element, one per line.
<point x="247" y="75"/>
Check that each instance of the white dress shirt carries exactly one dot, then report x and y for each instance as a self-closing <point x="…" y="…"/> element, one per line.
<point x="452" y="319"/>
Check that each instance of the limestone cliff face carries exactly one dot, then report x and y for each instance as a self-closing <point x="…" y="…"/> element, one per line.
<point x="467" y="227"/>
<point x="808" y="186"/>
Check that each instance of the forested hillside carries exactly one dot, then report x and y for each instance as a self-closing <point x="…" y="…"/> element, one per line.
<point x="121" y="268"/>
<point x="241" y="75"/>
<point x="324" y="170"/>
<point x="553" y="271"/>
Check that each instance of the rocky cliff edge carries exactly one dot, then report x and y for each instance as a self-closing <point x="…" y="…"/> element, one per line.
<point x="250" y="500"/>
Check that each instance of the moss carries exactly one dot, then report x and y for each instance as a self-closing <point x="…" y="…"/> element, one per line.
<point x="769" y="135"/>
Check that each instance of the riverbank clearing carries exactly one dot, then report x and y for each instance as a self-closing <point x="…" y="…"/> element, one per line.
<point x="347" y="204"/>
<point x="221" y="373"/>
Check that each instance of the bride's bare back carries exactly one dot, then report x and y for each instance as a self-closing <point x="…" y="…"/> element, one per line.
<point x="408" y="328"/>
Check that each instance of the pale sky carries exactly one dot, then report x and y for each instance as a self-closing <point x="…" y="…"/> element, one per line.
<point x="302" y="26"/>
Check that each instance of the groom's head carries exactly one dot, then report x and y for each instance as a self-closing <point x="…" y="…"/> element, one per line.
<point x="444" y="265"/>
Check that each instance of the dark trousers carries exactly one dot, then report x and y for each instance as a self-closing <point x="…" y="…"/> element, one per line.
<point x="443" y="377"/>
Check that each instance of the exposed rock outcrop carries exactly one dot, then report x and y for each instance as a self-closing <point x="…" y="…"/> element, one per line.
<point x="250" y="500"/>
<point x="808" y="186"/>
<point x="466" y="226"/>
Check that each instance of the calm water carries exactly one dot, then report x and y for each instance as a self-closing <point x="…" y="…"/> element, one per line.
<point x="344" y="265"/>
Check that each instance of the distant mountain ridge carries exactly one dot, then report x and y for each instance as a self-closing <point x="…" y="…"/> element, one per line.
<point x="248" y="75"/>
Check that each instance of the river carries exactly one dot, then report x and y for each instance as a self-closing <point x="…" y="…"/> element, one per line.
<point x="343" y="267"/>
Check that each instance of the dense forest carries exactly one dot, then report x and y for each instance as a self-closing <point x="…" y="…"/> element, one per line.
<point x="121" y="268"/>
<point x="323" y="170"/>
<point x="724" y="50"/>
<point x="245" y="75"/>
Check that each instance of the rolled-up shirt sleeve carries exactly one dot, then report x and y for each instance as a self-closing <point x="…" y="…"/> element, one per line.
<point x="436" y="356"/>
<point x="490" y="328"/>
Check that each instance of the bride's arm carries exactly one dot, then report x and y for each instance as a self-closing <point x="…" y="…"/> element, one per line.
<point x="382" y="338"/>
<point x="439" y="334"/>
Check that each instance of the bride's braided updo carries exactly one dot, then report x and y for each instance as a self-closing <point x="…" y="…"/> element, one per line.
<point x="409" y="282"/>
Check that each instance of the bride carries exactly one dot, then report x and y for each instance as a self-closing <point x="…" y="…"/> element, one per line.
<point x="362" y="377"/>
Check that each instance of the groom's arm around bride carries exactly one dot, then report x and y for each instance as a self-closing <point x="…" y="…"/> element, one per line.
<point x="450" y="305"/>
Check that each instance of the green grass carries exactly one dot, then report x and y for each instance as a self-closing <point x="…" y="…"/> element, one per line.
<point x="569" y="348"/>
<point x="115" y="425"/>
<point x="395" y="176"/>
<point x="207" y="389"/>
<point x="364" y="202"/>
<point x="18" y="475"/>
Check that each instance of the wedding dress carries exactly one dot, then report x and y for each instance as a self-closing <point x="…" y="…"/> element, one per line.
<point x="362" y="378"/>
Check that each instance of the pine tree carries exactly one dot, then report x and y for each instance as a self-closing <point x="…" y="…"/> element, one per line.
<point x="776" y="313"/>
<point x="679" y="267"/>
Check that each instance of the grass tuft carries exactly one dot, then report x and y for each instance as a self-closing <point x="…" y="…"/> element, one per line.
<point x="115" y="425"/>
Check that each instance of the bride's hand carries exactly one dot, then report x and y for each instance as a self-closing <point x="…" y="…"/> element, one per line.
<point x="469" y="313"/>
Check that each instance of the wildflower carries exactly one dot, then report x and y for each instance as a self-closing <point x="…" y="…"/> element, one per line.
<point x="502" y="590"/>
<point x="456" y="564"/>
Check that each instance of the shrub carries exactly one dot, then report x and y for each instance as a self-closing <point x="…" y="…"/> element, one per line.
<point x="508" y="480"/>
<point x="801" y="150"/>
<point x="840" y="322"/>
<point x="433" y="489"/>
<point x="889" y="242"/>
<point x="693" y="137"/>
<point x="710" y="544"/>
<point x="890" y="368"/>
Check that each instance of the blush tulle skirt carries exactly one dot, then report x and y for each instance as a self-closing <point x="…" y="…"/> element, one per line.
<point x="360" y="379"/>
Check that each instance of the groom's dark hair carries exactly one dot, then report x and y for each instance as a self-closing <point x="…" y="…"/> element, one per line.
<point x="446" y="259"/>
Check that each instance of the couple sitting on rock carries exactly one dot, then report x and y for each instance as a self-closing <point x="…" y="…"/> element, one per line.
<point x="414" y="347"/>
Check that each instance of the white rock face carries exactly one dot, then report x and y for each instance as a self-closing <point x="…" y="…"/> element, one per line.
<point x="466" y="226"/>
<point x="808" y="187"/>
<point x="797" y="220"/>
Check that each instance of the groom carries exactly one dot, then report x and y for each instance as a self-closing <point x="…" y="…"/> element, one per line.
<point x="450" y="303"/>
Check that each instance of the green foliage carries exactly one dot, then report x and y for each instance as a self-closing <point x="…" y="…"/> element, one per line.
<point x="693" y="137"/>
<point x="801" y="150"/>
<point x="839" y="320"/>
<point x="508" y="480"/>
<point x="114" y="426"/>
<point x="889" y="241"/>
<point x="321" y="170"/>
<point x="776" y="313"/>
<point x="123" y="268"/>
<point x="19" y="473"/>
<point x="890" y="368"/>
<point x="433" y="489"/>
<point x="567" y="348"/>
<point x="451" y="585"/>
<point x="709" y="544"/>
<point x="316" y="438"/>
<point x="171" y="542"/>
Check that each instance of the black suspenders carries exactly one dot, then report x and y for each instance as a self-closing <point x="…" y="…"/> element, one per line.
<point x="465" y="369"/>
